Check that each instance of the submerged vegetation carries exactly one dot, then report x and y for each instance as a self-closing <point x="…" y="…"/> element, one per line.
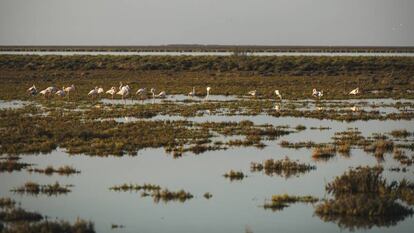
<point x="284" y="167"/>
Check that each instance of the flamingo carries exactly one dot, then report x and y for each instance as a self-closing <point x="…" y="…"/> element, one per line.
<point x="355" y="91"/>
<point x="32" y="90"/>
<point x="69" y="89"/>
<point x="141" y="91"/>
<point x="354" y="108"/>
<point x="100" y="90"/>
<point x="124" y="91"/>
<point x="46" y="92"/>
<point x="111" y="91"/>
<point x="276" y="107"/>
<point x="316" y="93"/>
<point x="52" y="89"/>
<point x="162" y="94"/>
<point x="61" y="93"/>
<point x="208" y="91"/>
<point x="93" y="93"/>
<point x="192" y="93"/>
<point x="277" y="93"/>
<point x="252" y="93"/>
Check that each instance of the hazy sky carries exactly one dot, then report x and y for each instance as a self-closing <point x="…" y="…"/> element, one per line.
<point x="154" y="22"/>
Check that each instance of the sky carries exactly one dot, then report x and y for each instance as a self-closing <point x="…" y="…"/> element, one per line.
<point x="226" y="22"/>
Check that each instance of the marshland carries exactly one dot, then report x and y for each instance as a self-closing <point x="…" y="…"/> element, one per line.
<point x="338" y="162"/>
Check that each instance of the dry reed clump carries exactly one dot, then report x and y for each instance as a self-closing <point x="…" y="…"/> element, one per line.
<point x="135" y="187"/>
<point x="324" y="152"/>
<point x="6" y="202"/>
<point x="380" y="147"/>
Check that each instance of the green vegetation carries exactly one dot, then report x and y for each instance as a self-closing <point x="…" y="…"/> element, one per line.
<point x="49" y="189"/>
<point x="284" y="167"/>
<point x="279" y="202"/>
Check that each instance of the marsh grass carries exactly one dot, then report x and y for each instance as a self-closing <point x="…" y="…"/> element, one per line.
<point x="49" y="189"/>
<point x="14" y="215"/>
<point x="166" y="195"/>
<point x="6" y="202"/>
<point x="324" y="153"/>
<point x="11" y="165"/>
<point x="49" y="170"/>
<point x="46" y="226"/>
<point x="234" y="175"/>
<point x="279" y="202"/>
<point x="284" y="167"/>
<point x="135" y="187"/>
<point x="364" y="192"/>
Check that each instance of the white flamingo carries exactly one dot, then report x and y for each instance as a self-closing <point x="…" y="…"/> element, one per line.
<point x="355" y="91"/>
<point x="111" y="91"/>
<point x="69" y="89"/>
<point x="46" y="92"/>
<point x="52" y="89"/>
<point x="93" y="93"/>
<point x="316" y="93"/>
<point x="276" y="107"/>
<point x="32" y="90"/>
<point x="192" y="93"/>
<point x="354" y="108"/>
<point x="141" y="92"/>
<point x="277" y="93"/>
<point x="124" y="92"/>
<point x="61" y="93"/>
<point x="162" y="94"/>
<point x="100" y="90"/>
<point x="252" y="93"/>
<point x="208" y="91"/>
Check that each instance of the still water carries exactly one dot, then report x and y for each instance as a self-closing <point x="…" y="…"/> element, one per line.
<point x="119" y="53"/>
<point x="234" y="207"/>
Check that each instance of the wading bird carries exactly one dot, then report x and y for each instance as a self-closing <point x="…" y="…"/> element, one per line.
<point x="93" y="93"/>
<point x="69" y="89"/>
<point x="208" y="91"/>
<point x="162" y="94"/>
<point x="32" y="90"/>
<point x="277" y="93"/>
<point x="100" y="90"/>
<point x="46" y="93"/>
<point x="61" y="93"/>
<point x="354" y="92"/>
<point x="124" y="92"/>
<point x="316" y="93"/>
<point x="111" y="91"/>
<point x="192" y="93"/>
<point x="141" y="92"/>
<point x="52" y="89"/>
<point x="252" y="93"/>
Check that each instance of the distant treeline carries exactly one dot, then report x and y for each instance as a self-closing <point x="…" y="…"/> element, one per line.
<point x="258" y="65"/>
<point x="214" y="48"/>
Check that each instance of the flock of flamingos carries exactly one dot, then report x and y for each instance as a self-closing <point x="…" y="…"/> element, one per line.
<point x="125" y="90"/>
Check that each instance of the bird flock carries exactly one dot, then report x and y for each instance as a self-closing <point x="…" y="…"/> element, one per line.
<point x="125" y="90"/>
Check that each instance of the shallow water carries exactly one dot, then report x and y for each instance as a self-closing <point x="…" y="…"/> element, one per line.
<point x="13" y="104"/>
<point x="95" y="53"/>
<point x="171" y="98"/>
<point x="234" y="206"/>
